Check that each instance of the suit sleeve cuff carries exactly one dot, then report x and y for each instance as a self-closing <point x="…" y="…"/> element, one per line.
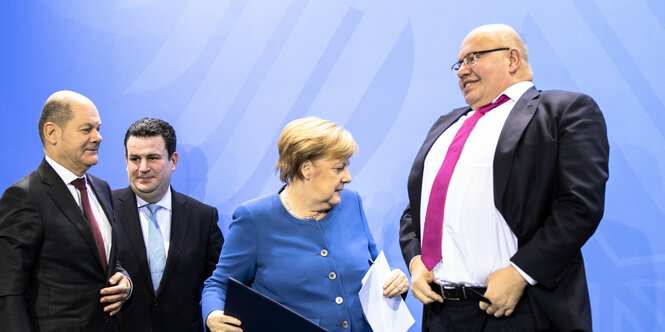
<point x="526" y="277"/>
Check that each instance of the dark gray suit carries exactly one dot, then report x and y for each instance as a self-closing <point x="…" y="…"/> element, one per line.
<point x="550" y="169"/>
<point x="51" y="272"/>
<point x="196" y="242"/>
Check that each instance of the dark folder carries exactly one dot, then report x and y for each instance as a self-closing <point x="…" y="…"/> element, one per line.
<point x="259" y="313"/>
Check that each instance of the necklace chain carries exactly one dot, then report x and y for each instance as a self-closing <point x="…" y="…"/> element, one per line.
<point x="288" y="206"/>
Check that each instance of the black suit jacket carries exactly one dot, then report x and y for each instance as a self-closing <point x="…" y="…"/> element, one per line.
<point x="550" y="169"/>
<point x="51" y="272"/>
<point x="196" y="242"/>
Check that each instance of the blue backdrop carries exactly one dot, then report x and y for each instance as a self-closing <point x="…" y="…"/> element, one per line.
<point x="228" y="75"/>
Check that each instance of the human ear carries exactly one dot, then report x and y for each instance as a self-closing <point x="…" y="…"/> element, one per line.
<point x="515" y="60"/>
<point x="306" y="169"/>
<point x="51" y="133"/>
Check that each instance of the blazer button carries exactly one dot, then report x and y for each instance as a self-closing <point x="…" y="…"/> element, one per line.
<point x="339" y="300"/>
<point x="324" y="253"/>
<point x="345" y="324"/>
<point x="332" y="275"/>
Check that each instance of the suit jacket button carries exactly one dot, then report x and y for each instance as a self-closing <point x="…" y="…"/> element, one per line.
<point x="324" y="253"/>
<point x="345" y="324"/>
<point x="332" y="276"/>
<point x="339" y="300"/>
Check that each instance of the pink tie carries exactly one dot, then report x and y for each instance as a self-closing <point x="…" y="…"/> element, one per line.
<point x="431" y="250"/>
<point x="90" y="217"/>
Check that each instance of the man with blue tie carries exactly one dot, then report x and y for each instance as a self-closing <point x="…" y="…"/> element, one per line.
<point x="170" y="242"/>
<point x="502" y="195"/>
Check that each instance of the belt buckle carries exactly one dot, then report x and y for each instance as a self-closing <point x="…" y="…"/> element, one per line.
<point x="443" y="293"/>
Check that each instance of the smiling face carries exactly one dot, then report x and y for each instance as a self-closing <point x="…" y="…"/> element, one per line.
<point x="76" y="143"/>
<point x="490" y="76"/>
<point x="149" y="167"/>
<point x="327" y="177"/>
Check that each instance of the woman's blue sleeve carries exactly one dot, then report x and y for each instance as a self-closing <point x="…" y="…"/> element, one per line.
<point x="237" y="259"/>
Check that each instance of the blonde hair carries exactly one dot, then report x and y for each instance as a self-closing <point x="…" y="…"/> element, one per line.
<point x="311" y="138"/>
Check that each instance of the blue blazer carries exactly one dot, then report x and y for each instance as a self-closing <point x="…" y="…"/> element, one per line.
<point x="313" y="267"/>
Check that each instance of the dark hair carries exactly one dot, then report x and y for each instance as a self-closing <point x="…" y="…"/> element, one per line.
<point x="56" y="111"/>
<point x="150" y="127"/>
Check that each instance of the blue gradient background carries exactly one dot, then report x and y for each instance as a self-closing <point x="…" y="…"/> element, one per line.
<point x="230" y="74"/>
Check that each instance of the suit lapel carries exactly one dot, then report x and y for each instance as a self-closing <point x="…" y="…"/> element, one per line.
<point x="512" y="131"/>
<point x="62" y="197"/>
<point x="131" y="228"/>
<point x="179" y="224"/>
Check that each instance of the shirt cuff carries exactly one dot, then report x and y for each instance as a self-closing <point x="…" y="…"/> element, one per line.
<point x="131" y="286"/>
<point x="526" y="277"/>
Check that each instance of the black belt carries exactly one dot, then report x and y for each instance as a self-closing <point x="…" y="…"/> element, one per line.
<point x="460" y="292"/>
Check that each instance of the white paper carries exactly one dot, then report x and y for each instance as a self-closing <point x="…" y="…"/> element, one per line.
<point x="382" y="313"/>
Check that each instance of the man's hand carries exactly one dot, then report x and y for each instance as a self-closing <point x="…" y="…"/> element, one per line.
<point x="116" y="294"/>
<point x="420" y="279"/>
<point x="217" y="321"/>
<point x="504" y="290"/>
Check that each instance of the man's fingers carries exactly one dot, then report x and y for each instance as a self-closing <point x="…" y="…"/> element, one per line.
<point x="499" y="313"/>
<point x="421" y="297"/>
<point x="112" y="307"/>
<point x="112" y="298"/>
<point x="483" y="306"/>
<point x="425" y="294"/>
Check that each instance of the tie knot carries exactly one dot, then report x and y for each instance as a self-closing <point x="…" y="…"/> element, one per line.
<point x="502" y="99"/>
<point x="79" y="184"/>
<point x="153" y="208"/>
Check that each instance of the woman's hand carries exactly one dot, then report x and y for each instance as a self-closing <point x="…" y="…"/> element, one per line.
<point x="395" y="284"/>
<point x="217" y="321"/>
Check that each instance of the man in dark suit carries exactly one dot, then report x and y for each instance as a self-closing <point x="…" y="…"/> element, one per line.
<point x="57" y="239"/>
<point x="170" y="242"/>
<point x="509" y="213"/>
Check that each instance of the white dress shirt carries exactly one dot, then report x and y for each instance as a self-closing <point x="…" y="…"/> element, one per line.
<point x="103" y="222"/>
<point x="476" y="238"/>
<point x="163" y="220"/>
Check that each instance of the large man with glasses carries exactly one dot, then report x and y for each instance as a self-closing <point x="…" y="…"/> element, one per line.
<point x="503" y="194"/>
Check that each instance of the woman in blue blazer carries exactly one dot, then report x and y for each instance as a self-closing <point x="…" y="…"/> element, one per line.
<point x="307" y="246"/>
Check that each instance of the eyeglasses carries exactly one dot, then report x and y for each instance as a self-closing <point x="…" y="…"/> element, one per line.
<point x="471" y="59"/>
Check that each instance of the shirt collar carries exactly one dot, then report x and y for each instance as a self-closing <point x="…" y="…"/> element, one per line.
<point x="516" y="90"/>
<point x="66" y="175"/>
<point x="164" y="203"/>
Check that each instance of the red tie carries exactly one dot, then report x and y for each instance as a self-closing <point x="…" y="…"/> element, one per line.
<point x="87" y="210"/>
<point x="431" y="250"/>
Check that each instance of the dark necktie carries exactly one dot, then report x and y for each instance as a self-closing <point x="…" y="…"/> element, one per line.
<point x="90" y="217"/>
<point x="433" y="231"/>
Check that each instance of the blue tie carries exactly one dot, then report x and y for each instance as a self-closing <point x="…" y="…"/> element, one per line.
<point x="156" y="252"/>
